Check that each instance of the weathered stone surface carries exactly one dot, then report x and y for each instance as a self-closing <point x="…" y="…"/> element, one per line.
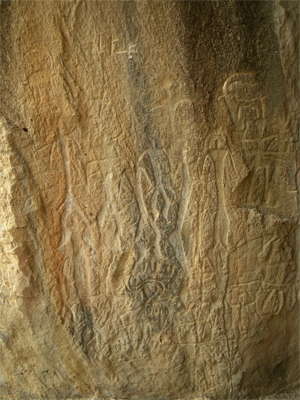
<point x="149" y="213"/>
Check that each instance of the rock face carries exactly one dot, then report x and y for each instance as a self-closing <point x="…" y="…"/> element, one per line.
<point x="149" y="212"/>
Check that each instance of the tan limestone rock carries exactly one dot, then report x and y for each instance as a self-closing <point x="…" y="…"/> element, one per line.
<point x="149" y="233"/>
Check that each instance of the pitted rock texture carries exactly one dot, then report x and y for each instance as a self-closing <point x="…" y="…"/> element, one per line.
<point x="149" y="240"/>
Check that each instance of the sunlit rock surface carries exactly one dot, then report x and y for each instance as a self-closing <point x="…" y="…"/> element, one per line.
<point x="148" y="200"/>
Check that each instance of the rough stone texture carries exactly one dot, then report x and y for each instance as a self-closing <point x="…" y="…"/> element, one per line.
<point x="148" y="215"/>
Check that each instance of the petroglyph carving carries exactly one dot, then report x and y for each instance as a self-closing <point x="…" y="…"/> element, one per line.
<point x="267" y="154"/>
<point x="177" y="108"/>
<point x="157" y="276"/>
<point x="109" y="46"/>
<point x="208" y="205"/>
<point x="246" y="105"/>
<point x="148" y="200"/>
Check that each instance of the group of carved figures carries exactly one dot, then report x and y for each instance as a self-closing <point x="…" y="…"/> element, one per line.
<point x="238" y="178"/>
<point x="245" y="266"/>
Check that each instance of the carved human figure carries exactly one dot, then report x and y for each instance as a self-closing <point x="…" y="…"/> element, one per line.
<point x="157" y="275"/>
<point x="250" y="177"/>
<point x="265" y="148"/>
